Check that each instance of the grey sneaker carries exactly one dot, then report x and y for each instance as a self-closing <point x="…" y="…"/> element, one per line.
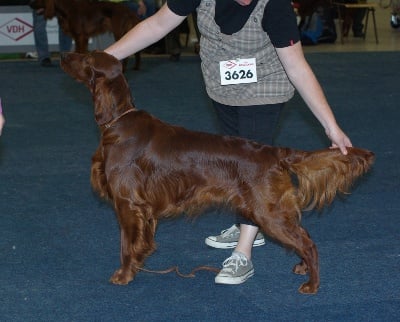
<point x="236" y="270"/>
<point x="229" y="239"/>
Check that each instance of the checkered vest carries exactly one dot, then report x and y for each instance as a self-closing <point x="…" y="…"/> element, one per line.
<point x="273" y="85"/>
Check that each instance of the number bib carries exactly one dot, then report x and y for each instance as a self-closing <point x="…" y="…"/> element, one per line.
<point x="238" y="71"/>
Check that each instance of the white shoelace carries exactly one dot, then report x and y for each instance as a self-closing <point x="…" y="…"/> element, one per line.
<point x="232" y="263"/>
<point x="229" y="231"/>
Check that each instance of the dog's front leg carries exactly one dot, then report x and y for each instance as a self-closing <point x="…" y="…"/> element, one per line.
<point x="126" y="272"/>
<point x="137" y="243"/>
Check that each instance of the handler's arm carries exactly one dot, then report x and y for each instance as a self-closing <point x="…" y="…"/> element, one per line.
<point x="304" y="80"/>
<point x="146" y="33"/>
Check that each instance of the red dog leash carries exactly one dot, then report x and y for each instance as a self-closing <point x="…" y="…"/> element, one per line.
<point x="176" y="270"/>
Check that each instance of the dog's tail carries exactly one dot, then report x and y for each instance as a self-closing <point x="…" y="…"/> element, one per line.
<point x="322" y="174"/>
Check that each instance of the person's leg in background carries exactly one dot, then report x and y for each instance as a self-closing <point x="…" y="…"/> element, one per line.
<point x="137" y="6"/>
<point x="196" y="28"/>
<point x="40" y="36"/>
<point x="64" y="41"/>
<point x="150" y="7"/>
<point x="173" y="44"/>
<point x="358" y="26"/>
<point x="354" y="17"/>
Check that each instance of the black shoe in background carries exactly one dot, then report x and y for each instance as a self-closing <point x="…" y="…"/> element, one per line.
<point x="359" y="34"/>
<point x="46" y="62"/>
<point x="175" y="57"/>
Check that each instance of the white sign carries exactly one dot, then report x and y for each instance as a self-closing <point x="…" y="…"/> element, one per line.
<point x="238" y="71"/>
<point x="17" y="29"/>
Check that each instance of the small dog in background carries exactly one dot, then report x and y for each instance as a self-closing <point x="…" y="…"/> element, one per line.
<point x="83" y="19"/>
<point x="149" y="169"/>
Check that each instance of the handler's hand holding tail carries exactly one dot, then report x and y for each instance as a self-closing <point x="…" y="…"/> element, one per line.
<point x="339" y="139"/>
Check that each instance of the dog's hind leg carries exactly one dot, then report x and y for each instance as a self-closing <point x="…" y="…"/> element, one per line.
<point x="137" y="243"/>
<point x="291" y="234"/>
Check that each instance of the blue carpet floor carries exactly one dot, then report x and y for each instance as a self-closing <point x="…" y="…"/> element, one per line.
<point x="59" y="243"/>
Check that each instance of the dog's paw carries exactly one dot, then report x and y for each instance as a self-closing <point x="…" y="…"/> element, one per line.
<point x="308" y="288"/>
<point x="121" y="277"/>
<point x="300" y="268"/>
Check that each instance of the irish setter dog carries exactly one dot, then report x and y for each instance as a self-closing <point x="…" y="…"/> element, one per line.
<point x="83" y="19"/>
<point x="149" y="169"/>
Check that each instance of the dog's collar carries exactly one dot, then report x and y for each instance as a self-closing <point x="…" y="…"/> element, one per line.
<point x="109" y="124"/>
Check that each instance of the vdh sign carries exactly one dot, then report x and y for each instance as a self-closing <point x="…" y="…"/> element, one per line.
<point x="16" y="29"/>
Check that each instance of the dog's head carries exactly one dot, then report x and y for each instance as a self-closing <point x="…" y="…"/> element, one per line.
<point x="102" y="74"/>
<point x="92" y="67"/>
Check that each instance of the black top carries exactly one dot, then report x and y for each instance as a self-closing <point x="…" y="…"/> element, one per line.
<point x="279" y="20"/>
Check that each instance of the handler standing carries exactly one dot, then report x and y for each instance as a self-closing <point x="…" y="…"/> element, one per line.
<point x="252" y="60"/>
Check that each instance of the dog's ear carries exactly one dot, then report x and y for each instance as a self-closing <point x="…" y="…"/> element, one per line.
<point x="105" y="69"/>
<point x="105" y="64"/>
<point x="103" y="106"/>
